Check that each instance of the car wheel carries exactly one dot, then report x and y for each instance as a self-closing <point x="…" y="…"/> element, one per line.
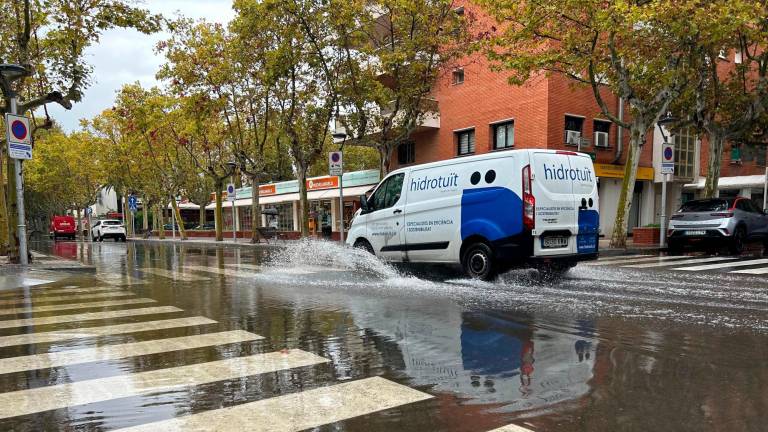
<point x="101" y="238"/>
<point x="364" y="245"/>
<point x="675" y="247"/>
<point x="479" y="262"/>
<point x="737" y="241"/>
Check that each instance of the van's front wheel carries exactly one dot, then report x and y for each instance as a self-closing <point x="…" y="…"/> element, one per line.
<point x="479" y="262"/>
<point x="364" y="245"/>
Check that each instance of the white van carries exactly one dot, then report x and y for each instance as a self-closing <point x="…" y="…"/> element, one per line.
<point x="488" y="213"/>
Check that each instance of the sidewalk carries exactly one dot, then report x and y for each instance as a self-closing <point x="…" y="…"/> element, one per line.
<point x="631" y="249"/>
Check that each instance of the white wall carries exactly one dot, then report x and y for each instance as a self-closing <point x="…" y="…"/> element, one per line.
<point x="105" y="202"/>
<point x="609" y="199"/>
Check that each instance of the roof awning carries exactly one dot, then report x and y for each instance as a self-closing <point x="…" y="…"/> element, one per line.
<point x="350" y="192"/>
<point x="186" y="206"/>
<point x="734" y="182"/>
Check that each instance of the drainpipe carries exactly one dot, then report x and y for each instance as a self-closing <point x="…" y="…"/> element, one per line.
<point x="619" y="134"/>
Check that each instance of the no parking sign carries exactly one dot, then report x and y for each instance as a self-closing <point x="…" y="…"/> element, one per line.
<point x="667" y="159"/>
<point x="19" y="136"/>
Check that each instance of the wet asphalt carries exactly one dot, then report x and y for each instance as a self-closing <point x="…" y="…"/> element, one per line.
<point x="607" y="348"/>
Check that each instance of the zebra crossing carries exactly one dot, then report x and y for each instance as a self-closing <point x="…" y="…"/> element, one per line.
<point x="293" y="411"/>
<point x="687" y="263"/>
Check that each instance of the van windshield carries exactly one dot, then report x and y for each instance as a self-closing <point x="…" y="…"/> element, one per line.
<point x="708" y="205"/>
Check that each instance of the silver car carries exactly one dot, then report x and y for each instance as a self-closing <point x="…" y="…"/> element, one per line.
<point x="717" y="222"/>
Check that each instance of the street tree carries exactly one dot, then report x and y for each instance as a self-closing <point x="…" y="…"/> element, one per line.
<point x="637" y="51"/>
<point x="392" y="56"/>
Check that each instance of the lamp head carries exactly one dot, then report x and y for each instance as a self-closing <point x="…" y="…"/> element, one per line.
<point x="339" y="136"/>
<point x="667" y="119"/>
<point x="12" y="72"/>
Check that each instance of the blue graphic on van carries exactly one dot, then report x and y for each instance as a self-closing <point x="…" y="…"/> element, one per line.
<point x="427" y="183"/>
<point x="567" y="173"/>
<point x="494" y="213"/>
<point x="589" y="230"/>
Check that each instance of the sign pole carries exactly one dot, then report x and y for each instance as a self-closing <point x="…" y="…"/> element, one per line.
<point x="234" y="223"/>
<point x="22" y="226"/>
<point x="341" y="208"/>
<point x="663" y="218"/>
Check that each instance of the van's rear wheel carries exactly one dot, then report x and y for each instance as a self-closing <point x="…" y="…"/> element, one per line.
<point x="479" y="262"/>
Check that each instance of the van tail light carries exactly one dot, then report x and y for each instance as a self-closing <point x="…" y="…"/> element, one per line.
<point x="722" y="215"/>
<point x="529" y="201"/>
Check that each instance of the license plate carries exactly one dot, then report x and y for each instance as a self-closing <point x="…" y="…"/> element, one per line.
<point x="555" y="242"/>
<point x="696" y="232"/>
<point x="64" y="224"/>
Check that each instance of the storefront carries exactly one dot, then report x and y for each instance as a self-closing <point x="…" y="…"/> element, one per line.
<point x="280" y="203"/>
<point x="610" y="178"/>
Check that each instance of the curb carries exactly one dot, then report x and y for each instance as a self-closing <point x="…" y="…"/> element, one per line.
<point x="244" y="244"/>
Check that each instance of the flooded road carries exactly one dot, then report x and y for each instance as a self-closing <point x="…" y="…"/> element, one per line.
<point x="168" y="337"/>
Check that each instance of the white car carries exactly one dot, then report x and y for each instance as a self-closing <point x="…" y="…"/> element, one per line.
<point x="487" y="213"/>
<point x="108" y="228"/>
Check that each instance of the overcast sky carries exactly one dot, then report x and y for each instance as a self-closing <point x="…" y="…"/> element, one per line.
<point x="125" y="56"/>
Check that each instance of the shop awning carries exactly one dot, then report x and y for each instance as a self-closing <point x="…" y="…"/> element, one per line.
<point x="734" y="182"/>
<point x="350" y="192"/>
<point x="186" y="206"/>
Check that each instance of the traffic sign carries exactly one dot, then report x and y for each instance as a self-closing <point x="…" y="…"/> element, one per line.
<point x="335" y="163"/>
<point x="88" y="211"/>
<point x="19" y="136"/>
<point x="667" y="158"/>
<point x="231" y="194"/>
<point x="133" y="203"/>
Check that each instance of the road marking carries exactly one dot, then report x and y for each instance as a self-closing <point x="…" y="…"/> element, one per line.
<point x="87" y="316"/>
<point x="757" y="271"/>
<point x="56" y="291"/>
<point x="629" y="260"/>
<point x="222" y="271"/>
<point x="114" y="352"/>
<point x="55" y="308"/>
<point x="62" y="335"/>
<point x="24" y="402"/>
<point x="173" y="275"/>
<point x="305" y="270"/>
<point x="21" y="301"/>
<point x="297" y="411"/>
<point x="724" y="265"/>
<point x="686" y="262"/>
<point x="617" y="257"/>
<point x="511" y="428"/>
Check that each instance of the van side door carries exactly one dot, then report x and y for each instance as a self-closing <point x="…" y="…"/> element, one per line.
<point x="385" y="220"/>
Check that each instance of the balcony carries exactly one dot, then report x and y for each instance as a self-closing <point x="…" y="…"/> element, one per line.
<point x="430" y="119"/>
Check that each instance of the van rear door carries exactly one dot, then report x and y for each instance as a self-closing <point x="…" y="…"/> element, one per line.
<point x="560" y="180"/>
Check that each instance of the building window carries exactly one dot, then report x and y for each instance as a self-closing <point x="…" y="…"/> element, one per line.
<point x="465" y="142"/>
<point x="283" y="221"/>
<point x="406" y="153"/>
<point x="735" y="153"/>
<point x="602" y="130"/>
<point x="573" y="128"/>
<point x="504" y="135"/>
<point x="685" y="153"/>
<point x="458" y="76"/>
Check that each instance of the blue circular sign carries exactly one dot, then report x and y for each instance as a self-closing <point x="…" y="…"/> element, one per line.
<point x="668" y="153"/>
<point x="19" y="130"/>
<point x="230" y="189"/>
<point x="335" y="157"/>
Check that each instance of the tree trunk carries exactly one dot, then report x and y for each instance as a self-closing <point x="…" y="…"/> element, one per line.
<point x="145" y="214"/>
<point x="3" y="213"/>
<point x="716" y="143"/>
<point x="255" y="210"/>
<point x="218" y="214"/>
<point x="159" y="211"/>
<point x="303" y="202"/>
<point x="385" y="159"/>
<point x="79" y="224"/>
<point x="13" y="236"/>
<point x="201" y="215"/>
<point x="177" y="218"/>
<point x="621" y="225"/>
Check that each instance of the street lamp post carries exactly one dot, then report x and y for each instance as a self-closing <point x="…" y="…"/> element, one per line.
<point x="233" y="167"/>
<point x="343" y="137"/>
<point x="8" y="74"/>
<point x="666" y="120"/>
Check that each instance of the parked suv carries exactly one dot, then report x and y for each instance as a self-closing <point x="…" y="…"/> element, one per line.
<point x="109" y="228"/>
<point x="63" y="226"/>
<point x="717" y="220"/>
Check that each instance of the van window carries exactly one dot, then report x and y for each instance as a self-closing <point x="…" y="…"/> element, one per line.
<point x="388" y="194"/>
<point x="112" y="222"/>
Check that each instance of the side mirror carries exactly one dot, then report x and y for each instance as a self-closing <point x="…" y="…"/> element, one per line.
<point x="364" y="204"/>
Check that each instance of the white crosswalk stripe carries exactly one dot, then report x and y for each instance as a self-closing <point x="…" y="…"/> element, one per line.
<point x="59" y="319"/>
<point x="19" y="293"/>
<point x="757" y="271"/>
<point x="614" y="257"/>
<point x="175" y="275"/>
<point x="680" y="262"/>
<point x="113" y="352"/>
<point x="724" y="265"/>
<point x="632" y="260"/>
<point x="56" y="308"/>
<point x="36" y="400"/>
<point x="21" y="301"/>
<point x="511" y="428"/>
<point x="298" y="411"/>
<point x="63" y="335"/>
